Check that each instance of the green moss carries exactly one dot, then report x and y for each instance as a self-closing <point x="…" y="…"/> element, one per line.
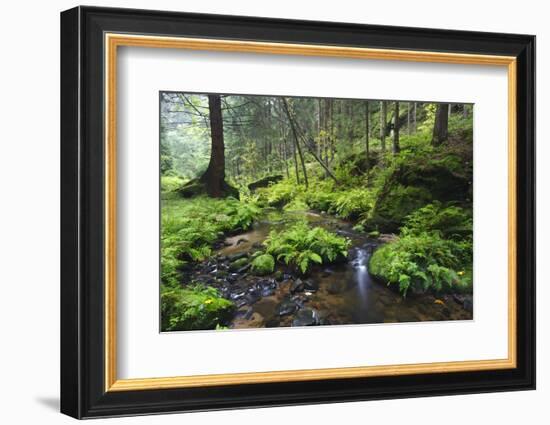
<point x="263" y="264"/>
<point x="193" y="308"/>
<point x="237" y="264"/>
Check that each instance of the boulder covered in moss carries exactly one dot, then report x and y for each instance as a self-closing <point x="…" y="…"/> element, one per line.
<point x="265" y="182"/>
<point x="263" y="264"/>
<point x="197" y="187"/>
<point x="415" y="183"/>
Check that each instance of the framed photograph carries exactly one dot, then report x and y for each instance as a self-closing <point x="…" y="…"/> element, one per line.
<point x="261" y="212"/>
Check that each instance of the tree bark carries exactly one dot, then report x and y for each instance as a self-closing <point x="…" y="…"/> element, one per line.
<point x="383" y="117"/>
<point x="441" y="124"/>
<point x="367" y="131"/>
<point x="296" y="141"/>
<point x="414" y="117"/>
<point x="214" y="176"/>
<point x="396" y="147"/>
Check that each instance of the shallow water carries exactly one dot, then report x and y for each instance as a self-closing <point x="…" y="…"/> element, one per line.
<point x="344" y="293"/>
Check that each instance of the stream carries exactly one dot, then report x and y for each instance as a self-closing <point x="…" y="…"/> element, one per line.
<point x="335" y="294"/>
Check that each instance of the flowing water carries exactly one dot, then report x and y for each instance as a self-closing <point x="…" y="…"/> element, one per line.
<point x="343" y="293"/>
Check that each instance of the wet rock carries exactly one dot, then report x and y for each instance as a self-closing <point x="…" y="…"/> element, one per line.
<point x="203" y="278"/>
<point x="468" y="304"/>
<point x="267" y="287"/>
<point x="233" y="277"/>
<point x="238" y="264"/>
<point x="327" y="272"/>
<point x="279" y="276"/>
<point x="252" y="296"/>
<point x="297" y="286"/>
<point x="241" y="241"/>
<point x="310" y="285"/>
<point x="306" y="317"/>
<point x="300" y="300"/>
<point x="237" y="256"/>
<point x="244" y="268"/>
<point x="237" y="292"/>
<point x="239" y="302"/>
<point x="287" y="306"/>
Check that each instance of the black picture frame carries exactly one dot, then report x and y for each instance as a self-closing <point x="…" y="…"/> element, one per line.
<point x="82" y="218"/>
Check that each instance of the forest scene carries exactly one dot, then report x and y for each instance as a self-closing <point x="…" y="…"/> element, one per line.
<point x="300" y="211"/>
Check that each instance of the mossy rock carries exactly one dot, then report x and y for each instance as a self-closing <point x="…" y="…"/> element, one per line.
<point x="196" y="187"/>
<point x="265" y="182"/>
<point x="238" y="264"/>
<point x="263" y="264"/>
<point x="416" y="183"/>
<point x="358" y="164"/>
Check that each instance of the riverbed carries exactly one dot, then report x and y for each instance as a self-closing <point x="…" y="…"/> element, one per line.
<point x="335" y="294"/>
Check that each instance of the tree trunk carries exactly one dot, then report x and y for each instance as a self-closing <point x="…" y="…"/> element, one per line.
<point x="441" y="124"/>
<point x="408" y="118"/>
<point x="414" y="117"/>
<point x="367" y="131"/>
<point x="214" y="176"/>
<point x="396" y="147"/>
<point x="296" y="141"/>
<point x="383" y="117"/>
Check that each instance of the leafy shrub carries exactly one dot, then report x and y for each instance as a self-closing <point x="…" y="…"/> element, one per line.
<point x="424" y="262"/>
<point x="279" y="194"/>
<point x="301" y="246"/>
<point x="321" y="200"/>
<point x="170" y="183"/>
<point x="353" y="203"/>
<point x="451" y="221"/>
<point x="194" y="307"/>
<point x="263" y="264"/>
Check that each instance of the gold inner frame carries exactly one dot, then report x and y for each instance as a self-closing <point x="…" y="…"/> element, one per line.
<point x="113" y="41"/>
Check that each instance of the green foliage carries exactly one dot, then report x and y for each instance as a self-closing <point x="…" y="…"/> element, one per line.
<point x="279" y="194"/>
<point x="423" y="262"/>
<point x="353" y="203"/>
<point x="451" y="222"/>
<point x="301" y="246"/>
<point x="263" y="264"/>
<point x="191" y="226"/>
<point x="170" y="183"/>
<point x="193" y="307"/>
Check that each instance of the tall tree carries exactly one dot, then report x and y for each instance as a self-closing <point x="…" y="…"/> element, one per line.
<point x="396" y="147"/>
<point x="441" y="124"/>
<point x="383" y="123"/>
<point x="296" y="140"/>
<point x="214" y="176"/>
<point x="367" y="150"/>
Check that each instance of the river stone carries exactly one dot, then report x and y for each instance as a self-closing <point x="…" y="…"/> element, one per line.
<point x="244" y="268"/>
<point x="468" y="303"/>
<point x="306" y="317"/>
<point x="237" y="256"/>
<point x="310" y="285"/>
<point x="297" y="286"/>
<point x="252" y="296"/>
<point x="232" y="277"/>
<point x="279" y="276"/>
<point x="238" y="264"/>
<point x="287" y="306"/>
